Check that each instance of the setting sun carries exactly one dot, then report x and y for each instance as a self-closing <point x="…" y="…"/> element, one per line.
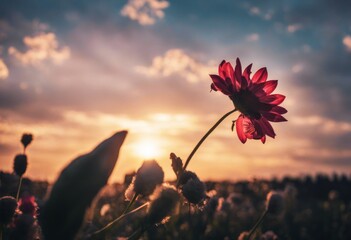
<point x="147" y="149"/>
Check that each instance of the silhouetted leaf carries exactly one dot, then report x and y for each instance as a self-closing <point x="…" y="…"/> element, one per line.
<point x="76" y="187"/>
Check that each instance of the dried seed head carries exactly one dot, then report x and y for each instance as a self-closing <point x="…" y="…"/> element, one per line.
<point x="26" y="139"/>
<point x="165" y="202"/>
<point x="20" y="164"/>
<point x="148" y="176"/>
<point x="177" y="164"/>
<point x="275" y="203"/>
<point x="194" y="190"/>
<point x="8" y="206"/>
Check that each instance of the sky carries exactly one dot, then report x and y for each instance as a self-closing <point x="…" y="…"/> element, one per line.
<point x="74" y="72"/>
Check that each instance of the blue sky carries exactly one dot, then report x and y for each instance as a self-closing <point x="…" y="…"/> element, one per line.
<point x="73" y="72"/>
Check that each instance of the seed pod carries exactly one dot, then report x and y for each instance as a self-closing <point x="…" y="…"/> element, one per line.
<point x="20" y="164"/>
<point x="26" y="139"/>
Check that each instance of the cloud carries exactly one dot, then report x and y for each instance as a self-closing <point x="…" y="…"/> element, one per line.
<point x="176" y="61"/>
<point x="293" y="28"/>
<point x="347" y="42"/>
<point x="254" y="37"/>
<point x="4" y="71"/>
<point x="42" y="47"/>
<point x="297" y="68"/>
<point x="145" y="11"/>
<point x="324" y="125"/>
<point x="255" y="11"/>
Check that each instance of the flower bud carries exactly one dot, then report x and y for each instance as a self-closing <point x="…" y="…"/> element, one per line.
<point x="163" y="205"/>
<point x="26" y="139"/>
<point x="275" y="203"/>
<point x="20" y="164"/>
<point x="148" y="176"/>
<point x="8" y="206"/>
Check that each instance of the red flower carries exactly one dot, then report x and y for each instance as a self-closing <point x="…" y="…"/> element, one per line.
<point x="252" y="97"/>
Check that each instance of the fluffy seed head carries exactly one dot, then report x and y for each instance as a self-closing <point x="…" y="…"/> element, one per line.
<point x="275" y="203"/>
<point x="186" y="176"/>
<point x="163" y="205"/>
<point x="194" y="191"/>
<point x="148" y="176"/>
<point x="8" y="207"/>
<point x="20" y="164"/>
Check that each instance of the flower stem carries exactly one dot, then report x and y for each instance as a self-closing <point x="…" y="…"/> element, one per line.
<point x="108" y="226"/>
<point x="258" y="223"/>
<point x="19" y="188"/>
<point x="130" y="203"/>
<point x="205" y="136"/>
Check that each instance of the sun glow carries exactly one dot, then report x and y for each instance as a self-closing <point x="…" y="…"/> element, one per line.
<point x="147" y="149"/>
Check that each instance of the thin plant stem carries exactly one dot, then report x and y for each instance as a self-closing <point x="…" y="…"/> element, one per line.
<point x="205" y="136"/>
<point x="130" y="203"/>
<point x="108" y="226"/>
<point x="19" y="188"/>
<point x="258" y="223"/>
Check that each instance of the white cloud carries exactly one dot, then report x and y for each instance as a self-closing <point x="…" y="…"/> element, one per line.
<point x="297" y="68"/>
<point x="175" y="61"/>
<point x="325" y="125"/>
<point x="4" y="71"/>
<point x="347" y="42"/>
<point x="253" y="37"/>
<point x="293" y="28"/>
<point x="41" y="47"/>
<point x="145" y="11"/>
<point x="255" y="11"/>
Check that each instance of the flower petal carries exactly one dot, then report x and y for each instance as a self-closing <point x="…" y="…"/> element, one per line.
<point x="247" y="72"/>
<point x="267" y="127"/>
<point x="260" y="76"/>
<point x="237" y="80"/>
<point x="274" y="99"/>
<point x="226" y="70"/>
<point x="213" y="87"/>
<point x="219" y="84"/>
<point x="263" y="139"/>
<point x="270" y="86"/>
<point x="240" y="128"/>
<point x="278" y="109"/>
<point x="274" y="117"/>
